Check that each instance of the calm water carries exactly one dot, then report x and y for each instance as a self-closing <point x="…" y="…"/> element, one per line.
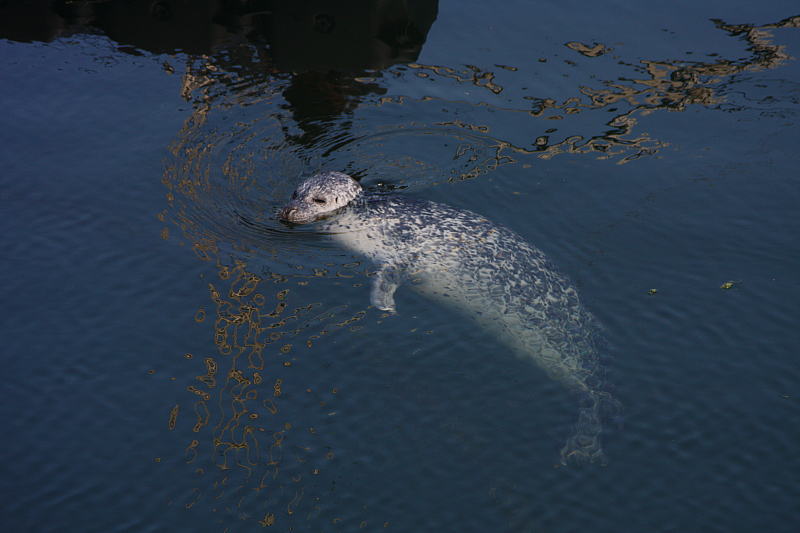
<point x="177" y="360"/>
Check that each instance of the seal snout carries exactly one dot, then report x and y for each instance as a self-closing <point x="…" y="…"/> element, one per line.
<point x="297" y="212"/>
<point x="287" y="212"/>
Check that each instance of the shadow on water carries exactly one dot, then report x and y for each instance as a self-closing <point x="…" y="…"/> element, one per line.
<point x="279" y="91"/>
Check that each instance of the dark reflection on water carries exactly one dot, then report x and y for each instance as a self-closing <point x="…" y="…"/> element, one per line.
<point x="294" y="36"/>
<point x="273" y="394"/>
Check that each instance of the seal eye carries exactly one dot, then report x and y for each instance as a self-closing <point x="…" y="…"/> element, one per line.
<point x="319" y="201"/>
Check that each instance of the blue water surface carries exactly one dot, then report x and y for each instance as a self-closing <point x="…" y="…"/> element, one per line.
<point x="178" y="359"/>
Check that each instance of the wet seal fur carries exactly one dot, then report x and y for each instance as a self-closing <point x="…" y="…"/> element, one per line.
<point x="481" y="269"/>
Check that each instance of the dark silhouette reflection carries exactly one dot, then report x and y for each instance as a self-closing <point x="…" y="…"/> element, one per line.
<point x="322" y="45"/>
<point x="354" y="36"/>
<point x="318" y="35"/>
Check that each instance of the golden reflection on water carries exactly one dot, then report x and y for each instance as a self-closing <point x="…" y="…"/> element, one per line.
<point x="669" y="85"/>
<point x="240" y="438"/>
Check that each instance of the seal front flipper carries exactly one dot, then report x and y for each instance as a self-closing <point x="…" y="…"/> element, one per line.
<point x="385" y="282"/>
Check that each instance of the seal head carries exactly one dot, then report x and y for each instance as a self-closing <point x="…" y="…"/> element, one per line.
<point x="319" y="196"/>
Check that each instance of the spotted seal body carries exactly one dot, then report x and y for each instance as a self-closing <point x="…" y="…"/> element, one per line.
<point x="481" y="269"/>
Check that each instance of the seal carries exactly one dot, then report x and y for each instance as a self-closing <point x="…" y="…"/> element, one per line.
<point x="482" y="270"/>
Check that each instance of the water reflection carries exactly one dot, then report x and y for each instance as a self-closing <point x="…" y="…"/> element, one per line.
<point x="313" y="111"/>
<point x="670" y="85"/>
<point x="323" y="46"/>
<point x="254" y="131"/>
<point x="319" y="35"/>
<point x="265" y="463"/>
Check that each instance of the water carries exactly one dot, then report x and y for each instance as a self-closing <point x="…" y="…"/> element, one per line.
<point x="178" y="359"/>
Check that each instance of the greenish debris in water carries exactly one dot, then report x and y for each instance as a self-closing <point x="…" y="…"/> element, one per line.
<point x="728" y="285"/>
<point x="652" y="292"/>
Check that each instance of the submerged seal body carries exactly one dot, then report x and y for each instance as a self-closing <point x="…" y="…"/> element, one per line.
<point x="481" y="269"/>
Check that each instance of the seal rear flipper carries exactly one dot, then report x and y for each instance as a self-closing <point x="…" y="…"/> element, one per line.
<point x="385" y="282"/>
<point x="585" y="444"/>
<point x="598" y="409"/>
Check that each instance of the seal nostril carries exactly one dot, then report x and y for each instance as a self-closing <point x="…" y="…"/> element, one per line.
<point x="287" y="212"/>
